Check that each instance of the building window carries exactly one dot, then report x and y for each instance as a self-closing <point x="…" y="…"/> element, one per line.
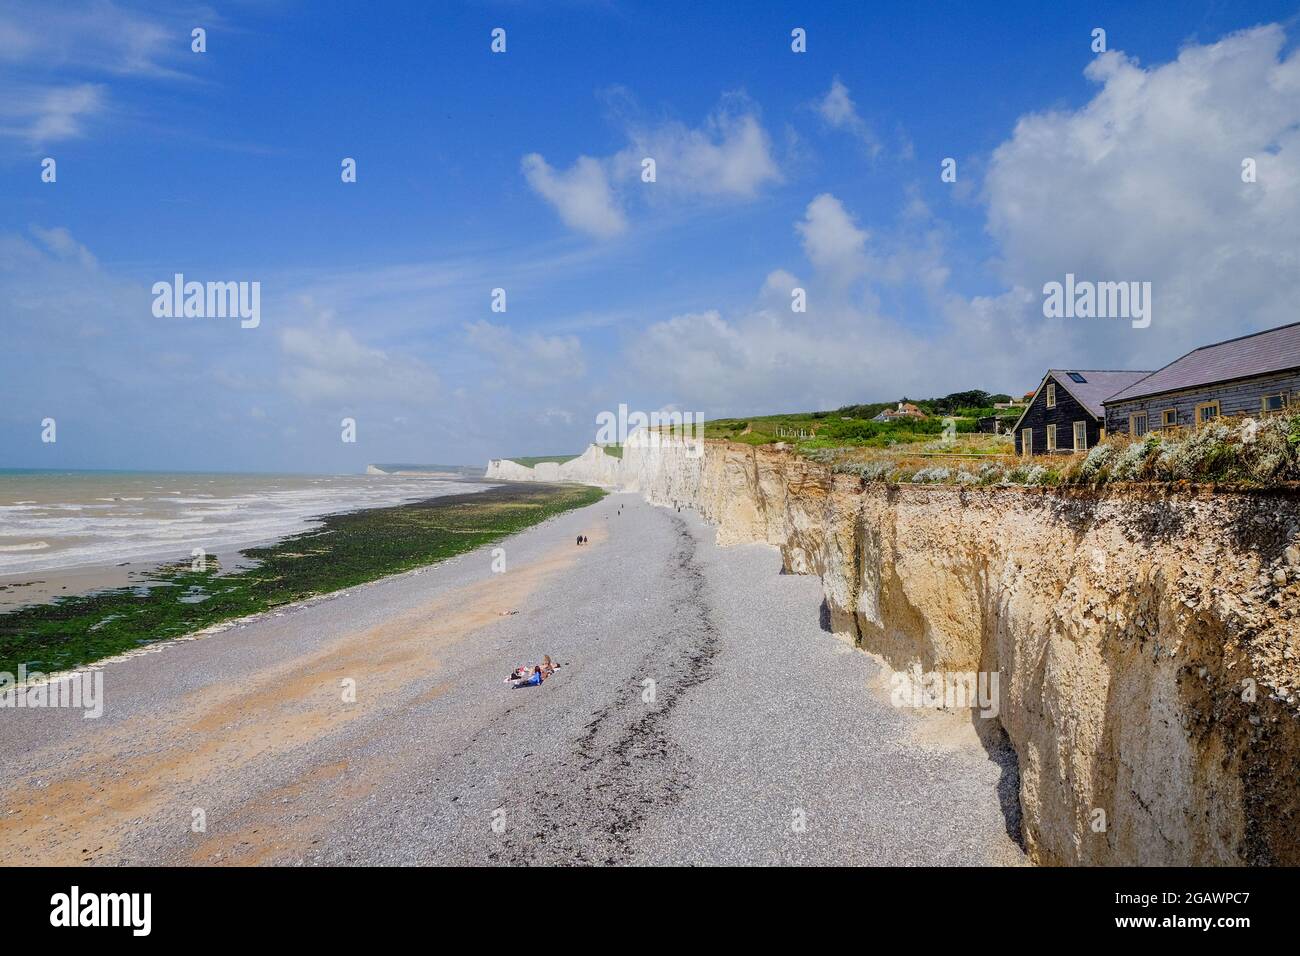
<point x="1272" y="403"/>
<point x="1027" y="442"/>
<point x="1080" y="436"/>
<point x="1051" y="395"/>
<point x="1207" y="412"/>
<point x="1051" y="438"/>
<point x="1137" y="424"/>
<point x="1169" y="417"/>
<point x="1076" y="377"/>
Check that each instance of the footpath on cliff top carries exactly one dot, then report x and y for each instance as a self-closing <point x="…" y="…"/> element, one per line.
<point x="701" y="715"/>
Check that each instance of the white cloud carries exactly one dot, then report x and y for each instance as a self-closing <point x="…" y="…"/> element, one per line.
<point x="98" y="35"/>
<point x="47" y="49"/>
<point x="528" y="358"/>
<point x="728" y="158"/>
<point x="555" y="416"/>
<point x="1140" y="181"/>
<point x="327" y="364"/>
<point x="60" y="242"/>
<point x="832" y="241"/>
<point x="1143" y="183"/>
<point x="581" y="194"/>
<point x="43" y="115"/>
<point x="839" y="111"/>
<point x="767" y="357"/>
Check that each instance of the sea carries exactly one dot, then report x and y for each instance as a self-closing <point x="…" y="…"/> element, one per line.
<point x="52" y="520"/>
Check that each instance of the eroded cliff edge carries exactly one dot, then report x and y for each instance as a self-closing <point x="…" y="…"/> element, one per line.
<point x="1128" y="628"/>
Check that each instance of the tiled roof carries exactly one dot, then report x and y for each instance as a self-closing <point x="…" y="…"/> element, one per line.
<point x="1097" y="385"/>
<point x="1273" y="350"/>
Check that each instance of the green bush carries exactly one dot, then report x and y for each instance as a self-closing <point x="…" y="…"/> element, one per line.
<point x="1239" y="451"/>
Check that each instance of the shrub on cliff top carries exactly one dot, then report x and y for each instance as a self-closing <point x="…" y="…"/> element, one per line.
<point x="1274" y="444"/>
<point x="932" y="476"/>
<point x="1203" y="454"/>
<point x="1027" y="474"/>
<point x="1130" y="464"/>
<point x="1094" y="467"/>
<point x="1246" y="451"/>
<point x="1250" y="451"/>
<point x="877" y="470"/>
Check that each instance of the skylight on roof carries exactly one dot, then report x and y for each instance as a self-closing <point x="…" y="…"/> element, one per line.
<point x="1076" y="377"/>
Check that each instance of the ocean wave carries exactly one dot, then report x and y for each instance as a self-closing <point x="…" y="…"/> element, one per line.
<point x="171" y="525"/>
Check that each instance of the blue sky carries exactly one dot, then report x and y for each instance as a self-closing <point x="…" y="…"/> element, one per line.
<point x="521" y="170"/>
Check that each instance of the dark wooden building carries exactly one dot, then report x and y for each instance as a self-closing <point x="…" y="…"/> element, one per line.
<point x="1066" y="413"/>
<point x="1257" y="374"/>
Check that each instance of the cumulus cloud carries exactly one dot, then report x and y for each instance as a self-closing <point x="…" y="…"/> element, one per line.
<point x="832" y="241"/>
<point x="1141" y="183"/>
<point x="1144" y="183"/>
<point x="580" y="194"/>
<point x="769" y="359"/>
<point x="766" y="357"/>
<point x="1140" y="180"/>
<point x="728" y="158"/>
<point x="839" y="111"/>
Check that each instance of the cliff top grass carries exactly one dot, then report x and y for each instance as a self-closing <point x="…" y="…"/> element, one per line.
<point x="345" y="550"/>
<point x="851" y="426"/>
<point x="1240" y="452"/>
<point x="808" y="431"/>
<point x="535" y="460"/>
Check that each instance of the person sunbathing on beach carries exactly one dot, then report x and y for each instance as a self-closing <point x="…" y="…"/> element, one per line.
<point x="531" y="676"/>
<point x="525" y="676"/>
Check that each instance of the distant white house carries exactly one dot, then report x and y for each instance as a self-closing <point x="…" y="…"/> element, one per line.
<point x="904" y="410"/>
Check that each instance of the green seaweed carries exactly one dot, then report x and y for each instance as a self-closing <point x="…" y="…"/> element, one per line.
<point x="346" y="550"/>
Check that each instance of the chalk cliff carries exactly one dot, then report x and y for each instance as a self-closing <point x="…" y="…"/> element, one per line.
<point x="1146" y="639"/>
<point x="594" y="466"/>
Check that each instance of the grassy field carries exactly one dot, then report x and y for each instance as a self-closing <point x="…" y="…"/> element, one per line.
<point x="1233" y="452"/>
<point x="536" y="460"/>
<point x="949" y="427"/>
<point x="347" y="550"/>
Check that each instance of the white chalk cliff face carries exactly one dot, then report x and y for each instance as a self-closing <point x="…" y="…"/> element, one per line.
<point x="593" y="467"/>
<point x="1146" y="639"/>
